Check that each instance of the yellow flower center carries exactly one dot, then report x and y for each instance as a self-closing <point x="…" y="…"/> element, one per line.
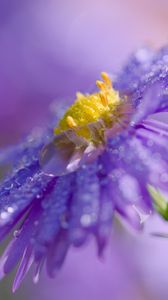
<point x="82" y="133"/>
<point x="89" y="108"/>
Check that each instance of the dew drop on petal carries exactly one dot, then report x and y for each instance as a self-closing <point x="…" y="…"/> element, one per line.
<point x="86" y="220"/>
<point x="4" y="215"/>
<point x="16" y="233"/>
<point x="57" y="156"/>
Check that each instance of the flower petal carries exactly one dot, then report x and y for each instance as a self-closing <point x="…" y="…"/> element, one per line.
<point x="85" y="204"/>
<point x="24" y="267"/>
<point x="54" y="213"/>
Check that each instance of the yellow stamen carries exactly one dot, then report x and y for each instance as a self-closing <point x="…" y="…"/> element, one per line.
<point x="71" y="122"/>
<point x="106" y="79"/>
<point x="79" y="95"/>
<point x="104" y="99"/>
<point x="100" y="85"/>
<point x="104" y="105"/>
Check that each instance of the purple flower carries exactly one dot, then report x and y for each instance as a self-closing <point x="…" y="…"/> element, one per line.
<point x="55" y="213"/>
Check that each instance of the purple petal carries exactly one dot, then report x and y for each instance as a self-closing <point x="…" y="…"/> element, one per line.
<point x="150" y="103"/>
<point x="21" y="239"/>
<point x="55" y="208"/>
<point x="15" y="205"/>
<point x="85" y="204"/>
<point x="24" y="267"/>
<point x="57" y="252"/>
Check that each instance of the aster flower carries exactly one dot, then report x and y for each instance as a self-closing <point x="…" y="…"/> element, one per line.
<point x="103" y="158"/>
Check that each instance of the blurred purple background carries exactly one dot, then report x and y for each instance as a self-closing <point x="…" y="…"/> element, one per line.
<point x="49" y="50"/>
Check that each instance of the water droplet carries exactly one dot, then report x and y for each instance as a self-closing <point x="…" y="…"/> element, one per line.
<point x="16" y="233"/>
<point x="10" y="209"/>
<point x="8" y="186"/>
<point x="86" y="220"/>
<point x="4" y="215"/>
